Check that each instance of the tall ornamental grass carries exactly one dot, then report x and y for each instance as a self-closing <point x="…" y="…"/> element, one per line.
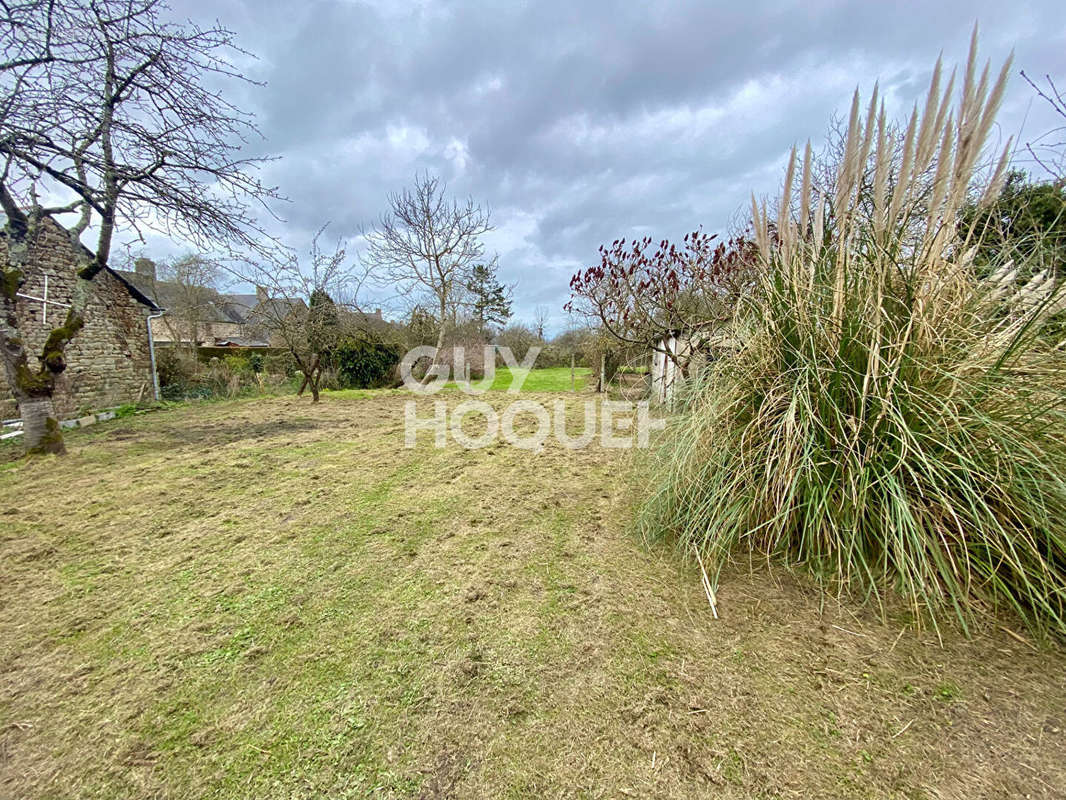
<point x="891" y="421"/>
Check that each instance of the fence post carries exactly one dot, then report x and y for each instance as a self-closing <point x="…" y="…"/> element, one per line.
<point x="603" y="371"/>
<point x="572" y="385"/>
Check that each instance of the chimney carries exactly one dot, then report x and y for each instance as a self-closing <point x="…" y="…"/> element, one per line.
<point x="145" y="267"/>
<point x="261" y="294"/>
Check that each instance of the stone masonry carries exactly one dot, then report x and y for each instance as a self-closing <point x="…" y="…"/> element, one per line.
<point x="108" y="362"/>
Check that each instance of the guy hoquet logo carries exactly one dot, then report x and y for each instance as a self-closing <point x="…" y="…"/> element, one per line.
<point x="613" y="424"/>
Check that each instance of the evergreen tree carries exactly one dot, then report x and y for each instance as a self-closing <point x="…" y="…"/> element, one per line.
<point x="323" y="322"/>
<point x="491" y="299"/>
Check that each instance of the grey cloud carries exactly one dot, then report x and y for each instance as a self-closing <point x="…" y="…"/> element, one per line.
<point x="587" y="121"/>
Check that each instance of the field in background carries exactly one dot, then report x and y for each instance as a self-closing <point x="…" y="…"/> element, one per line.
<point x="266" y="598"/>
<point x="549" y="379"/>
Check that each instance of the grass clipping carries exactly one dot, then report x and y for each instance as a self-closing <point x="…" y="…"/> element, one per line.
<point x="891" y="420"/>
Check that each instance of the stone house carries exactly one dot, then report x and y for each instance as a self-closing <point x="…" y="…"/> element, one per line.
<point x="109" y="361"/>
<point x="206" y="317"/>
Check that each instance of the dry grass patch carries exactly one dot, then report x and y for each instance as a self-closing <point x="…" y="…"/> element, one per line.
<point x="268" y="599"/>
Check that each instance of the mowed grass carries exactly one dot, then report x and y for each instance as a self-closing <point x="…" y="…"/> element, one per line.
<point x="548" y="379"/>
<point x="269" y="599"/>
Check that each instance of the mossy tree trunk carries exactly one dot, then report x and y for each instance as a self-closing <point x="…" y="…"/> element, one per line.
<point x="40" y="426"/>
<point x="34" y="389"/>
<point x="33" y="386"/>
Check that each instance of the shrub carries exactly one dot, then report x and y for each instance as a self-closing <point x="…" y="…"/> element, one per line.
<point x="183" y="377"/>
<point x="329" y="379"/>
<point x="238" y="365"/>
<point x="176" y="371"/>
<point x="363" y="364"/>
<point x="279" y="362"/>
<point x="519" y="338"/>
<point x="891" y="420"/>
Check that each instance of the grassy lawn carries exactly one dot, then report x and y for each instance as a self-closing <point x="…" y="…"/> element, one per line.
<point x="550" y="379"/>
<point x="267" y="599"/>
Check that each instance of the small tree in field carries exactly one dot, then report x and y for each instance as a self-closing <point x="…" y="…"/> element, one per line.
<point x="540" y="321"/>
<point x="426" y="246"/>
<point x="308" y="309"/>
<point x="112" y="114"/>
<point x="640" y="293"/>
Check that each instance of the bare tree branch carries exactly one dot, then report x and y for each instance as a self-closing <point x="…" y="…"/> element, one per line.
<point x="309" y="307"/>
<point x="1052" y="154"/>
<point x="106" y="110"/>
<point x="426" y="246"/>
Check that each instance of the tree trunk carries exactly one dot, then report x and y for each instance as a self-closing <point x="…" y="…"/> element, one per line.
<point x="311" y="375"/>
<point x="40" y="427"/>
<point x="440" y="338"/>
<point x="440" y="344"/>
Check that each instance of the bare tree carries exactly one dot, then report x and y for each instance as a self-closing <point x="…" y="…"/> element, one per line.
<point x="192" y="297"/>
<point x="426" y="246"/>
<point x="1049" y="149"/>
<point x="309" y="310"/>
<point x="110" y="117"/>
<point x="540" y="320"/>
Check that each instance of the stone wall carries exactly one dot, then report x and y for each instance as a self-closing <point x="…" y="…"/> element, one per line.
<point x="108" y="362"/>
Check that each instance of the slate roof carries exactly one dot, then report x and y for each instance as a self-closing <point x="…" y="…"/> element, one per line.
<point x="238" y="308"/>
<point x="167" y="294"/>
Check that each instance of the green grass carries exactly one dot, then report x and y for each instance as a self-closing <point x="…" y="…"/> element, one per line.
<point x="549" y="379"/>
<point x="269" y="599"/>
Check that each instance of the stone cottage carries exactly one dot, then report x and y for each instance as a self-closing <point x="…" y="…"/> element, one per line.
<point x="108" y="362"/>
<point x="196" y="315"/>
<point x="206" y="317"/>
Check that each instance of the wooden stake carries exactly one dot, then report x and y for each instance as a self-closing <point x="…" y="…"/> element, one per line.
<point x="706" y="583"/>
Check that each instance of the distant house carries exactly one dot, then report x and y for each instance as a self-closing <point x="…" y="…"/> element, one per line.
<point x="206" y="317"/>
<point x="109" y="361"/>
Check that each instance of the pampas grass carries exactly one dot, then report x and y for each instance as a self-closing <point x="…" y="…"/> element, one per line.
<point x="891" y="422"/>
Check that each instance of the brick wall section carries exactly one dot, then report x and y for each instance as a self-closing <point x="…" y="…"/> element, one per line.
<point x="108" y="362"/>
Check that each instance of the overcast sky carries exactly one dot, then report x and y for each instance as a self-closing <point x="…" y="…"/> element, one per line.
<point x="581" y="122"/>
